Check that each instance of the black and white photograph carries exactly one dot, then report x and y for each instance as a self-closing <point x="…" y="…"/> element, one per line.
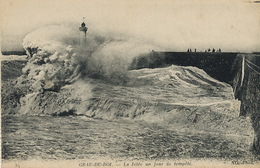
<point x="130" y="83"/>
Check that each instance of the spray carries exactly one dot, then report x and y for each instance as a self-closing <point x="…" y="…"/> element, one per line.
<point x="58" y="59"/>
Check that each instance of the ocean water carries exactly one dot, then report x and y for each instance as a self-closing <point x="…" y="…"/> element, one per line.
<point x="59" y="138"/>
<point x="165" y="113"/>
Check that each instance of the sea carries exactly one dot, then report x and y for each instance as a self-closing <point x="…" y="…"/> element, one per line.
<point x="161" y="114"/>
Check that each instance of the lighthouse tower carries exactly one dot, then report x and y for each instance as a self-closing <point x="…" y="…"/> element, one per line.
<point x="83" y="33"/>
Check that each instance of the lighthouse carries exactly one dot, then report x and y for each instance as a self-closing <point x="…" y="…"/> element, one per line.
<point x="83" y="32"/>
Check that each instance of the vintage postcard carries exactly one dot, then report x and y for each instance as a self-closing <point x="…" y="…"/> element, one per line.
<point x="130" y="83"/>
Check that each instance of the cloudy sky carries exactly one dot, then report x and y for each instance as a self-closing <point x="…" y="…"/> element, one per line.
<point x="173" y="25"/>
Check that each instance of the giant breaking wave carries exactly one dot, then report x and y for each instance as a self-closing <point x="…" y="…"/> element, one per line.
<point x="65" y="77"/>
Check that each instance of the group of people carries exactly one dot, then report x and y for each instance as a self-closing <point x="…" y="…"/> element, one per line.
<point x="213" y="50"/>
<point x="189" y="50"/>
<point x="209" y="50"/>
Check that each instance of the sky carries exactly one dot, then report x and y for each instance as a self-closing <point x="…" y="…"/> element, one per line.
<point x="174" y="25"/>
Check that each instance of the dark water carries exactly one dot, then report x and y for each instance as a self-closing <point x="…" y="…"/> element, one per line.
<point x="55" y="138"/>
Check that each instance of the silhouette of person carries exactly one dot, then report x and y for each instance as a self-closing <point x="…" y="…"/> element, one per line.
<point x="195" y="50"/>
<point x="209" y="50"/>
<point x="213" y="50"/>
